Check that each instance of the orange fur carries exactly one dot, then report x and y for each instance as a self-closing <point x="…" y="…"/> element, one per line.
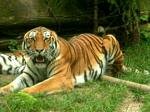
<point x="76" y="55"/>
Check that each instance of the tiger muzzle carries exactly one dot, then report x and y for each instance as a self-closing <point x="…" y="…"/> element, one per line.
<point x="40" y="59"/>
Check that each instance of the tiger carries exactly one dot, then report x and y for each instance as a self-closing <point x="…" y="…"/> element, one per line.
<point x="52" y="64"/>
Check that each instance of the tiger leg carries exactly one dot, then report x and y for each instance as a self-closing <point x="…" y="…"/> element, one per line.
<point x="54" y="84"/>
<point x="22" y="81"/>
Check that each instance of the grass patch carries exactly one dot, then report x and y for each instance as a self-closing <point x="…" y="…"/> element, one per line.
<point x="146" y="102"/>
<point x="94" y="96"/>
<point x="138" y="56"/>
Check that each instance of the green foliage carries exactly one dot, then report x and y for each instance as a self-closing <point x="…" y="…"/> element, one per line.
<point x="145" y="32"/>
<point x="13" y="45"/>
<point x="144" y="18"/>
<point x="128" y="9"/>
<point x="137" y="56"/>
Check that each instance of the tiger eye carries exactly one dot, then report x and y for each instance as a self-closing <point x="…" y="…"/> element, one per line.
<point x="46" y="35"/>
<point x="29" y="40"/>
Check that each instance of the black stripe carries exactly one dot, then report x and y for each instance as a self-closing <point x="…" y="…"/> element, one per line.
<point x="70" y="51"/>
<point x="23" y="60"/>
<point x="56" y="73"/>
<point x="95" y="40"/>
<point x="73" y="50"/>
<point x="92" y="50"/>
<point x="31" y="70"/>
<point x="105" y="52"/>
<point x="3" y="58"/>
<point x="24" y="80"/>
<point x="9" y="69"/>
<point x="51" y="69"/>
<point x="92" y="73"/>
<point x="84" y="55"/>
<point x="95" y="75"/>
<point x="31" y="77"/>
<point x="87" y="57"/>
<point x="22" y="70"/>
<point x="89" y="39"/>
<point x="16" y="69"/>
<point x="86" y="52"/>
<point x="85" y="76"/>
<point x="110" y="60"/>
<point x="9" y="58"/>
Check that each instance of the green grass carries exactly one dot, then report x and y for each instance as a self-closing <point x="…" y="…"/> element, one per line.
<point x="94" y="96"/>
<point x="98" y="96"/>
<point x="138" y="56"/>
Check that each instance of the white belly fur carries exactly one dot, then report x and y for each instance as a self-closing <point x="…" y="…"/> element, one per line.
<point x="80" y="79"/>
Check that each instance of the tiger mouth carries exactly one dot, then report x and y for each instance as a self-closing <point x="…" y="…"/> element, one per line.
<point x="40" y="59"/>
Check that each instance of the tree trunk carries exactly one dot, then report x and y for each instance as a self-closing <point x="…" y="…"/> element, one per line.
<point x="136" y="32"/>
<point x="135" y="24"/>
<point x="95" y="19"/>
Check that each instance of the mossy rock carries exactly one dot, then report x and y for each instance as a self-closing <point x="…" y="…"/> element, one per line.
<point x="22" y="102"/>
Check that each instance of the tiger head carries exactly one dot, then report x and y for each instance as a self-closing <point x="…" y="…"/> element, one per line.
<point x="40" y="44"/>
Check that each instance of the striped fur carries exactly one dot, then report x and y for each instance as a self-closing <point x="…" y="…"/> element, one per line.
<point x="12" y="63"/>
<point x="53" y="64"/>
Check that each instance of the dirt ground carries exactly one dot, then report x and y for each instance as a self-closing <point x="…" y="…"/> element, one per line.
<point x="130" y="105"/>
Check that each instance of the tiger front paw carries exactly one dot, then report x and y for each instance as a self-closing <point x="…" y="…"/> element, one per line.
<point x="5" y="90"/>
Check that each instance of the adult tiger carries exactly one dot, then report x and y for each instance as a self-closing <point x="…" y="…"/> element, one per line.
<point x="54" y="64"/>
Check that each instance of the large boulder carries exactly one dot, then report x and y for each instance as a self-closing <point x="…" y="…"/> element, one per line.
<point x="21" y="11"/>
<point x="18" y="16"/>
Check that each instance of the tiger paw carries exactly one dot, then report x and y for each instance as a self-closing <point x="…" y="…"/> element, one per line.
<point x="4" y="91"/>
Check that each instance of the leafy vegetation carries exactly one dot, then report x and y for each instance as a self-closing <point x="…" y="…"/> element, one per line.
<point x="129" y="9"/>
<point x="144" y="18"/>
<point x="14" y="45"/>
<point x="145" y="32"/>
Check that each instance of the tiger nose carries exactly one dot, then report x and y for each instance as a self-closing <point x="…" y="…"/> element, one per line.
<point x="39" y="50"/>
